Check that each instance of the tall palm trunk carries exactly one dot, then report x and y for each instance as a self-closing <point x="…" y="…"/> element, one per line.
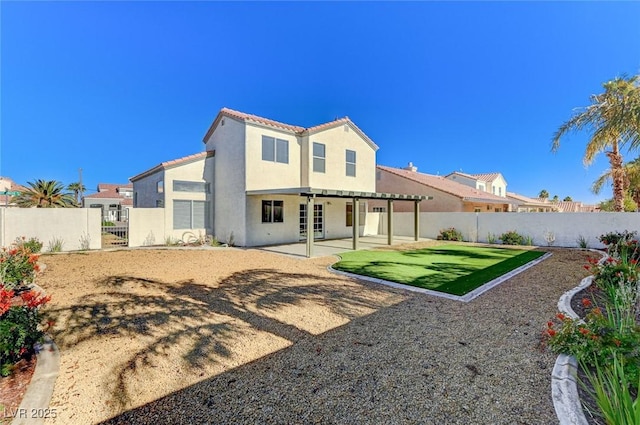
<point x="618" y="177"/>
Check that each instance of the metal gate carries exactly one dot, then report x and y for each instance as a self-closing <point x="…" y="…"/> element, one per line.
<point x="115" y="233"/>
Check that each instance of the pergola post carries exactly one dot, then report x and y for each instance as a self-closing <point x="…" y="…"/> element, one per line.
<point x="309" y="229"/>
<point x="355" y="221"/>
<point x="390" y="222"/>
<point x="416" y="220"/>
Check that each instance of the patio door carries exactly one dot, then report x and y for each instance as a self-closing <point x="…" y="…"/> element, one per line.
<point x="318" y="221"/>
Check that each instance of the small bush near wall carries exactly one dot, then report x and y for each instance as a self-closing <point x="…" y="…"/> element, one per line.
<point x="33" y="244"/>
<point x="450" y="234"/>
<point x="511" y="238"/>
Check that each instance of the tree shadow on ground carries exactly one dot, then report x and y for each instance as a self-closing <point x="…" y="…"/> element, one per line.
<point x="170" y="313"/>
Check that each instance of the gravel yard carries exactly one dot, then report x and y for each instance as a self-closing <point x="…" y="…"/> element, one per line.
<point x="246" y="336"/>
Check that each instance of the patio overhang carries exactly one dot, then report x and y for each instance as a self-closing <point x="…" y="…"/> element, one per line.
<point x="311" y="194"/>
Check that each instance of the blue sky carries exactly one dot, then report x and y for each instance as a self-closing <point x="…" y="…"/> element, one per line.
<point x="115" y="88"/>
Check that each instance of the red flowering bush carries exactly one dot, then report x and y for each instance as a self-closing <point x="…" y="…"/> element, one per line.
<point x="598" y="339"/>
<point x="19" y="315"/>
<point x="18" y="266"/>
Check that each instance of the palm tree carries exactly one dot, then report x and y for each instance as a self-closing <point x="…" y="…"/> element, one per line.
<point x="567" y="199"/>
<point x="613" y="121"/>
<point x="44" y="194"/>
<point x="632" y="180"/>
<point x="555" y="198"/>
<point x="76" y="188"/>
<point x="543" y="194"/>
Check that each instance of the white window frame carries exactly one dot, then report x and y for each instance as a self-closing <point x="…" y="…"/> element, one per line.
<point x="318" y="159"/>
<point x="350" y="166"/>
<point x="279" y="151"/>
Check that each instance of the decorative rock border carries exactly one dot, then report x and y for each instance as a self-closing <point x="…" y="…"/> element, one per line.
<point x="464" y="298"/>
<point x="34" y="407"/>
<point x="564" y="388"/>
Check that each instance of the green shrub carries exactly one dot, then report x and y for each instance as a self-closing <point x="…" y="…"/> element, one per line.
<point x="583" y="242"/>
<point x="33" y="244"/>
<point x="511" y="238"/>
<point x="108" y="223"/>
<point x="614" y="238"/>
<point x="450" y="234"/>
<point x="491" y="238"/>
<point x="18" y="267"/>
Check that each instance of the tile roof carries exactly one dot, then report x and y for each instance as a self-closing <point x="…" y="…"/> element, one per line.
<point x="488" y="177"/>
<point x="282" y="126"/>
<point x="249" y="117"/>
<point x="173" y="163"/>
<point x="110" y="186"/>
<point x="445" y="185"/>
<point x="528" y="201"/>
<point x="106" y="194"/>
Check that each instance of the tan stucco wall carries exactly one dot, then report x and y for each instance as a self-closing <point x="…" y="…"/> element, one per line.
<point x="145" y="190"/>
<point x="565" y="227"/>
<point x="263" y="175"/>
<point x="337" y="141"/>
<point x="229" y="180"/>
<point x="289" y="231"/>
<point x="147" y="226"/>
<point x="67" y="224"/>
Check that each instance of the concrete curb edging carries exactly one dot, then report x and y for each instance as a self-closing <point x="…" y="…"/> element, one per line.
<point x="464" y="298"/>
<point x="564" y="387"/>
<point x="34" y="407"/>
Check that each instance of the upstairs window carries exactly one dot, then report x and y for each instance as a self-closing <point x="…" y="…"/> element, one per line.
<point x="351" y="163"/>
<point x="160" y="186"/>
<point x="275" y="150"/>
<point x="272" y="211"/>
<point x="318" y="157"/>
<point x="187" y="186"/>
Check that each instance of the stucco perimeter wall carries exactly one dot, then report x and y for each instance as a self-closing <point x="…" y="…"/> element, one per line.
<point x="563" y="228"/>
<point x="147" y="226"/>
<point x="70" y="225"/>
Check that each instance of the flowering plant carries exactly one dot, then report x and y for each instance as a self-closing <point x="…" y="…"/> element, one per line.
<point x="19" y="313"/>
<point x="598" y="339"/>
<point x="18" y="266"/>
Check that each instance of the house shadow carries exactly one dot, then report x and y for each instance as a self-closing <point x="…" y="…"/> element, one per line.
<point x="168" y="314"/>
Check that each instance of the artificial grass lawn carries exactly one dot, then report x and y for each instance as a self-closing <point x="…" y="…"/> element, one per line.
<point x="454" y="269"/>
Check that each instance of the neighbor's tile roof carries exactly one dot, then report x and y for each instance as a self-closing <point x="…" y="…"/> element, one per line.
<point x="114" y="187"/>
<point x="242" y="116"/>
<point x="445" y="185"/>
<point x="488" y="177"/>
<point x="525" y="200"/>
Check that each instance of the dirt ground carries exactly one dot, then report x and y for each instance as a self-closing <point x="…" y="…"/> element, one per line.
<point x="138" y="326"/>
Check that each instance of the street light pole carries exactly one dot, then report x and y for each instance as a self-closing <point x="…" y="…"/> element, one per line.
<point x="81" y="191"/>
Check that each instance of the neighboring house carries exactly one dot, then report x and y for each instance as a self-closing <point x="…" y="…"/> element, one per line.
<point x="114" y="200"/>
<point x="569" y="206"/>
<point x="8" y="185"/>
<point x="493" y="183"/>
<point x="521" y="203"/>
<point x="453" y="193"/>
<point x="258" y="180"/>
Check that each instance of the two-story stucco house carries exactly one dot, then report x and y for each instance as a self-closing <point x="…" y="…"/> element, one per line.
<point x="263" y="182"/>
<point x="493" y="183"/>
